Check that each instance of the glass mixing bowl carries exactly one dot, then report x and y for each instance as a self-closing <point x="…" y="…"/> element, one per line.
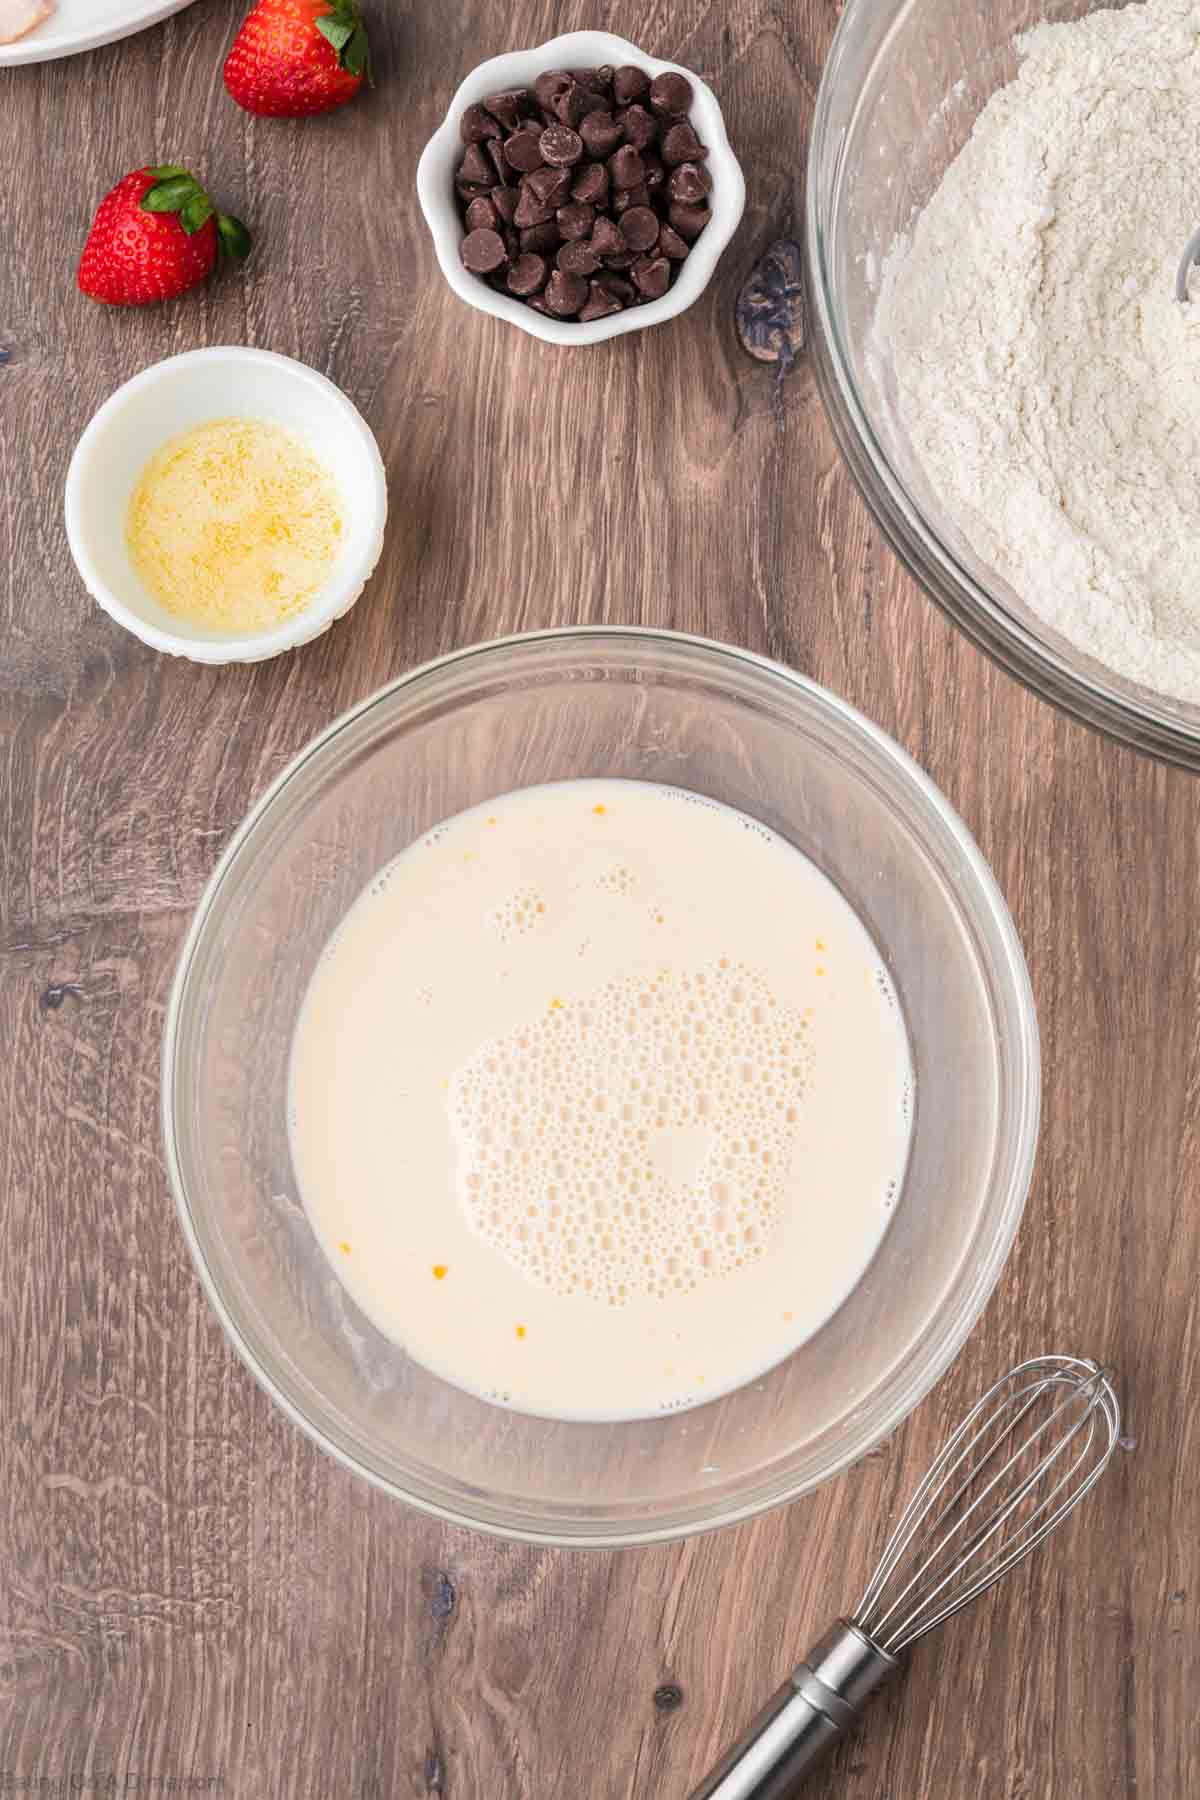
<point x="646" y="706"/>
<point x="903" y="85"/>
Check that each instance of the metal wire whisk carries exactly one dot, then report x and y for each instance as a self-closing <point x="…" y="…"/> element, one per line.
<point x="1022" y="1459"/>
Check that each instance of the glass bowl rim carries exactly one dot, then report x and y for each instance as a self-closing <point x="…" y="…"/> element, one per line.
<point x="1134" y="718"/>
<point x="939" y="1347"/>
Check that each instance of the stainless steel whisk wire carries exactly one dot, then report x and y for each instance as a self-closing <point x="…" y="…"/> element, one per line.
<point x="952" y="1457"/>
<point x="1022" y="1459"/>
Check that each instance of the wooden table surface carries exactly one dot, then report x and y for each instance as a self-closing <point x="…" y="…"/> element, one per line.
<point x="187" y="1587"/>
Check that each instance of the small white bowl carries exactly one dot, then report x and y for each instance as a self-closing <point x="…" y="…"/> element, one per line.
<point x="577" y="50"/>
<point x="174" y="396"/>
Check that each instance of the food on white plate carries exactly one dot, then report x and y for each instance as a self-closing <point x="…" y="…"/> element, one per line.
<point x="20" y="16"/>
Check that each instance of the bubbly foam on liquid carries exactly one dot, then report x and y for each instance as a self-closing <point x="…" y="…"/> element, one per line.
<point x="635" y="1141"/>
<point x="517" y="914"/>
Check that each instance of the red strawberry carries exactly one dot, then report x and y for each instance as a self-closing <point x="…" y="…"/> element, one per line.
<point x="296" y="57"/>
<point x="154" y="236"/>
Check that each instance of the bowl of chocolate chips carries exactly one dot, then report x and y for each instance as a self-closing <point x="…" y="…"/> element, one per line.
<point x="581" y="189"/>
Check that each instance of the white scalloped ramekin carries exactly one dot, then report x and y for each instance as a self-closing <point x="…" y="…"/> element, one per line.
<point x="174" y="396"/>
<point x="520" y="68"/>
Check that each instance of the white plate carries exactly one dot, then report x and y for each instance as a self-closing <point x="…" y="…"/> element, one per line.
<point x="83" y="24"/>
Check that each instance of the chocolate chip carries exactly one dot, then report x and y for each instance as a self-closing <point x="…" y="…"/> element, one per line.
<point x="495" y="149"/>
<point x="639" y="228"/>
<point x="639" y="126"/>
<point x="540" y="239"/>
<point x="671" y="95"/>
<point x="551" y="186"/>
<point x="527" y="276"/>
<point x="504" y="199"/>
<point x="565" y="294"/>
<point x="625" y="260"/>
<point x="606" y="239"/>
<point x="680" y="144"/>
<point x="689" y="221"/>
<point x="629" y="84"/>
<point x="625" y="167"/>
<point x="476" y="125"/>
<point x="482" y="251"/>
<point x="471" y="190"/>
<point x="594" y="103"/>
<point x="482" y="216"/>
<point x="671" y="244"/>
<point x="651" y="276"/>
<point x="477" y="167"/>
<point x="576" y="220"/>
<point x="591" y="184"/>
<point x="627" y="197"/>
<point x="577" y="258"/>
<point x="508" y="107"/>
<point x="523" y="149"/>
<point x="655" y="175"/>
<point x="538" y="303"/>
<point x="531" y="210"/>
<point x="602" y="78"/>
<point x="599" y="304"/>
<point x="549" y="86"/>
<point x="690" y="182"/>
<point x="600" y="133"/>
<point x="619" y="288"/>
<point x="570" y="106"/>
<point x="561" y="146"/>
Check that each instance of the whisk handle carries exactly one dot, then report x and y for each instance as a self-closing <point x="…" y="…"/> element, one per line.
<point x="800" y="1724"/>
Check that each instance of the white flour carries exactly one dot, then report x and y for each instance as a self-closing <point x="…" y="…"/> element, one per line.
<point x="1043" y="373"/>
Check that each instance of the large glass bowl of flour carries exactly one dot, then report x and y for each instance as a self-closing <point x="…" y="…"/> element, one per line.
<point x="513" y="715"/>
<point x="1104" y="419"/>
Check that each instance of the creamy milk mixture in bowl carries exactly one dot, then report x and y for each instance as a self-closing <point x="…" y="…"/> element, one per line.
<point x="600" y="1086"/>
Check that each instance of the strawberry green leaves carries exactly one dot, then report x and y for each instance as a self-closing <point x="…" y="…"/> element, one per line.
<point x="172" y="192"/>
<point x="195" y="212"/>
<point x="344" y="30"/>
<point x="175" y="189"/>
<point x="234" y="238"/>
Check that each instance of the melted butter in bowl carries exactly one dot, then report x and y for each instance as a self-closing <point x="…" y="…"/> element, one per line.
<point x="226" y="505"/>
<point x="235" y="525"/>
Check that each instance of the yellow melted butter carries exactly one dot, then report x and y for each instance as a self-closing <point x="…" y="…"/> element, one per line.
<point x="235" y="525"/>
